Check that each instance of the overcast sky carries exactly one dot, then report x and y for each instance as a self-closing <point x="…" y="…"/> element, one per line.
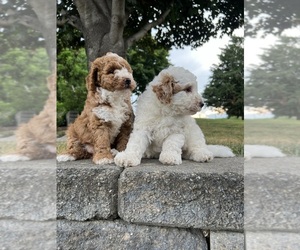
<point x="199" y="61"/>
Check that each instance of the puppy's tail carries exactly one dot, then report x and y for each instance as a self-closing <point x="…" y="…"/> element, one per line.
<point x="261" y="151"/>
<point x="220" y="151"/>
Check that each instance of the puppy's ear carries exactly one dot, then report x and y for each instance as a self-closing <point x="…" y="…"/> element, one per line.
<point x="164" y="89"/>
<point x="92" y="81"/>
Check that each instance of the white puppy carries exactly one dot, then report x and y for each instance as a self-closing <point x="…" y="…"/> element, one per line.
<point x="163" y="126"/>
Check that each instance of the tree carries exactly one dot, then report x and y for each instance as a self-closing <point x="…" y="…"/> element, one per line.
<point x="29" y="24"/>
<point x="24" y="88"/>
<point x="226" y="86"/>
<point x="146" y="57"/>
<point x="116" y="25"/>
<point x="71" y="89"/>
<point x="275" y="82"/>
<point x="273" y="16"/>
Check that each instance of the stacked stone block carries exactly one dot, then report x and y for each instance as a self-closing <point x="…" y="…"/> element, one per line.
<point x="151" y="206"/>
<point x="79" y="205"/>
<point x="28" y="205"/>
<point x="272" y="203"/>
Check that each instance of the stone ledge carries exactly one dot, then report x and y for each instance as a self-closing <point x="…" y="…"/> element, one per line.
<point x="224" y="240"/>
<point x="272" y="194"/>
<point x="272" y="240"/>
<point x="86" y="191"/>
<point x="197" y="195"/>
<point x="28" y="190"/>
<point x="118" y="235"/>
<point x="19" y="235"/>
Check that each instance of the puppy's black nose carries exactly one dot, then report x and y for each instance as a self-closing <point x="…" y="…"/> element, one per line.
<point x="127" y="82"/>
<point x="201" y="104"/>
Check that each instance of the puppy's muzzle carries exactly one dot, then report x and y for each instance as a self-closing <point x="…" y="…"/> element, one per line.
<point x="201" y="104"/>
<point x="127" y="83"/>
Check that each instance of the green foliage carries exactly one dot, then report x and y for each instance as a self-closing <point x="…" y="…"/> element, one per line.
<point x="13" y="34"/>
<point x="226" y="86"/>
<point x="67" y="35"/>
<point x="23" y="84"/>
<point x="189" y="22"/>
<point x="272" y="16"/>
<point x="147" y="59"/>
<point x="275" y="82"/>
<point x="71" y="89"/>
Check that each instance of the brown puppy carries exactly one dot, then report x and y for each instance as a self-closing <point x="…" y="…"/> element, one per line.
<point x="107" y="118"/>
<point x="37" y="138"/>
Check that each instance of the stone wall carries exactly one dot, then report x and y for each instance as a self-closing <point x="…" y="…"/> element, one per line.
<point x="79" y="205"/>
<point x="151" y="206"/>
<point x="28" y="205"/>
<point x="272" y="203"/>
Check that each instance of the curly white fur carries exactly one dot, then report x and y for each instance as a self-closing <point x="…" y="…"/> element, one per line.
<point x="116" y="113"/>
<point x="261" y="151"/>
<point x="163" y="127"/>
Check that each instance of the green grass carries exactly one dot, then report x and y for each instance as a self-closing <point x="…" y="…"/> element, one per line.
<point x="61" y="147"/>
<point x="7" y="148"/>
<point x="227" y="132"/>
<point x="282" y="133"/>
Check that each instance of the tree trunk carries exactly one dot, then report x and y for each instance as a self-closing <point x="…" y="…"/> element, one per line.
<point x="102" y="24"/>
<point x="46" y="14"/>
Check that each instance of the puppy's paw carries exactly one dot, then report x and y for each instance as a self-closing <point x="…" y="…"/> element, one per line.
<point x="65" y="157"/>
<point x="123" y="159"/>
<point x="14" y="157"/>
<point x="114" y="152"/>
<point x="103" y="161"/>
<point x="201" y="155"/>
<point x="170" y="158"/>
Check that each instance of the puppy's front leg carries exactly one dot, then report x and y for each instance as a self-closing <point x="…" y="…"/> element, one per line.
<point x="136" y="147"/>
<point x="75" y="148"/>
<point x="172" y="149"/>
<point x="195" y="147"/>
<point x="102" y="151"/>
<point x="123" y="136"/>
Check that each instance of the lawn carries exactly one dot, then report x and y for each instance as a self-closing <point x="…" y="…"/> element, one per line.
<point x="7" y="147"/>
<point x="227" y="132"/>
<point x="282" y="133"/>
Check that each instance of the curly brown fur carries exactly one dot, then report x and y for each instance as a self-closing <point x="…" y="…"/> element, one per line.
<point x="107" y="118"/>
<point x="37" y="138"/>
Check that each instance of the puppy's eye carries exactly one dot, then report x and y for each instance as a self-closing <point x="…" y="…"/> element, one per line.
<point x="188" y="89"/>
<point x="111" y="71"/>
